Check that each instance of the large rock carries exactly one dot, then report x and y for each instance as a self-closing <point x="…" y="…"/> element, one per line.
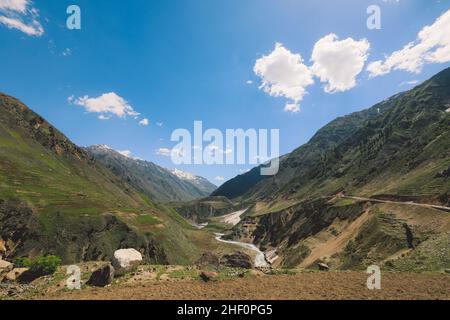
<point x="323" y="266"/>
<point x="102" y="276"/>
<point x="207" y="276"/>
<point x="5" y="266"/>
<point x="126" y="260"/>
<point x="208" y="259"/>
<point x="237" y="260"/>
<point x="15" y="274"/>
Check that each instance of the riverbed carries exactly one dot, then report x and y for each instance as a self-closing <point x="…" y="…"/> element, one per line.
<point x="260" y="258"/>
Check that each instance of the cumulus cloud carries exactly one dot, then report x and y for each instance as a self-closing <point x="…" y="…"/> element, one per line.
<point x="107" y="104"/>
<point x="283" y="74"/>
<point x="14" y="5"/>
<point x="219" y="178"/>
<point x="292" y="107"/>
<point x="431" y="46"/>
<point x="166" y="152"/>
<point x="338" y="62"/>
<point x="22" y="16"/>
<point x="144" y="122"/>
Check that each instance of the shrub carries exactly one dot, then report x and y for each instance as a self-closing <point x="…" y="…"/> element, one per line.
<point x="41" y="265"/>
<point x="22" y="262"/>
<point x="45" y="265"/>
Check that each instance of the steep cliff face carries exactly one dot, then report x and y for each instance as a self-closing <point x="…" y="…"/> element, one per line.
<point x="398" y="151"/>
<point x="200" y="211"/>
<point x="350" y="234"/>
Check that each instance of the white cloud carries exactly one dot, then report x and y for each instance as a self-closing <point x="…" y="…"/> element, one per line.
<point x="107" y="104"/>
<point x="166" y="152"/>
<point x="284" y="74"/>
<point x="33" y="29"/>
<point x="292" y="107"/>
<point x="20" y="15"/>
<point x="411" y="82"/>
<point x="249" y="82"/>
<point x="14" y="5"/>
<point x="431" y="46"/>
<point x="159" y="124"/>
<point x="67" y="52"/>
<point x="103" y="117"/>
<point x="219" y="178"/>
<point x="144" y="122"/>
<point x="338" y="62"/>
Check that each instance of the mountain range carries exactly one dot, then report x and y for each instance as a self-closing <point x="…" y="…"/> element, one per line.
<point x="55" y="197"/>
<point x="399" y="147"/>
<point x="370" y="187"/>
<point x="158" y="183"/>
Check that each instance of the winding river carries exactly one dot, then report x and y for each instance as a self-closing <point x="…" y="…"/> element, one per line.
<point x="234" y="218"/>
<point x="260" y="258"/>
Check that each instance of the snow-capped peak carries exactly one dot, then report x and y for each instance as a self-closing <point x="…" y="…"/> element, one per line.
<point x="103" y="147"/>
<point x="184" y="175"/>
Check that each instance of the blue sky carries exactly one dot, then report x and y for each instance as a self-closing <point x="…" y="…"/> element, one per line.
<point x="175" y="62"/>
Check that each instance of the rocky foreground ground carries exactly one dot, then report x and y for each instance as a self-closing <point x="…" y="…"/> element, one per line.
<point x="178" y="282"/>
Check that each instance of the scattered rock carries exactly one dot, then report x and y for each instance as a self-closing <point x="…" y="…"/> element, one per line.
<point x="102" y="276"/>
<point x="2" y="248"/>
<point x="323" y="267"/>
<point x="443" y="174"/>
<point x="447" y="270"/>
<point x="126" y="260"/>
<point x="5" y="266"/>
<point x="15" y="274"/>
<point x="208" y="276"/>
<point x="14" y="290"/>
<point x="208" y="259"/>
<point x="257" y="273"/>
<point x="237" y="260"/>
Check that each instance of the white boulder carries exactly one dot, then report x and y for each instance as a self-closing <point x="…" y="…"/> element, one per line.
<point x="126" y="260"/>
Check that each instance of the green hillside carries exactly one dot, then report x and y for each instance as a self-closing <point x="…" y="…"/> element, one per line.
<point x="55" y="198"/>
<point x="368" y="188"/>
<point x="398" y="147"/>
<point x="158" y="183"/>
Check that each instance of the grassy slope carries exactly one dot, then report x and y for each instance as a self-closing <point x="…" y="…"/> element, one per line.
<point x="156" y="182"/>
<point x="39" y="166"/>
<point x="398" y="147"/>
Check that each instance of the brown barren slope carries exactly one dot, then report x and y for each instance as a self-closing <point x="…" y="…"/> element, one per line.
<point x="303" y="286"/>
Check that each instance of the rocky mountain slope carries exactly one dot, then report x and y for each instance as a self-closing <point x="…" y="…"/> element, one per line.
<point x="347" y="197"/>
<point x="55" y="198"/>
<point x="158" y="183"/>
<point x="399" y="147"/>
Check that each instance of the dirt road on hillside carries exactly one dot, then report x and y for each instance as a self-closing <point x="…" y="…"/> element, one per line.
<point x="425" y="205"/>
<point x="323" y="286"/>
